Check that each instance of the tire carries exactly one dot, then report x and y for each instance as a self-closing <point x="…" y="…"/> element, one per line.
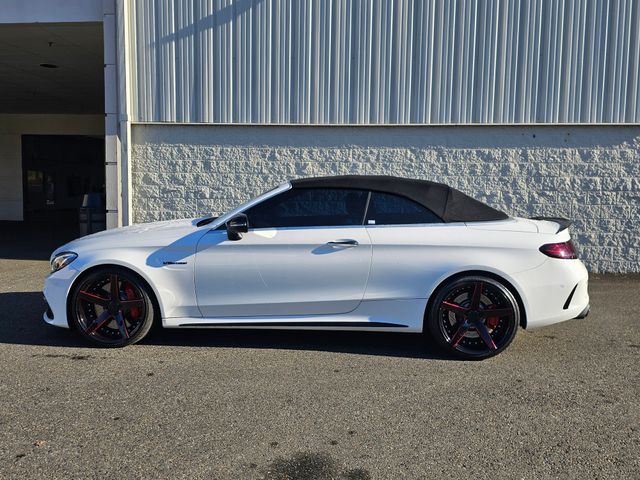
<point x="112" y="307"/>
<point x="459" y="319"/>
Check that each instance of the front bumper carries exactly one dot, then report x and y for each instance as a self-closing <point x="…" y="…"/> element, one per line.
<point x="56" y="289"/>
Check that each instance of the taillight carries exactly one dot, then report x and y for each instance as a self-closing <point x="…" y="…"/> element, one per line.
<point x="559" y="250"/>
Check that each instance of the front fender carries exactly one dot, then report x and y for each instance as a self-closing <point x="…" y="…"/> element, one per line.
<point x="171" y="283"/>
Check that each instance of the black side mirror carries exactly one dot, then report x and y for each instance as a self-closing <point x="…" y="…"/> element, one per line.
<point x="236" y="226"/>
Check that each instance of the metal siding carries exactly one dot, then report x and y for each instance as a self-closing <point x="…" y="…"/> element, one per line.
<point x="385" y="61"/>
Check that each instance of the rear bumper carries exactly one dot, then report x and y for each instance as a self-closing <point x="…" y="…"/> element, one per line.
<point x="584" y="313"/>
<point x="554" y="292"/>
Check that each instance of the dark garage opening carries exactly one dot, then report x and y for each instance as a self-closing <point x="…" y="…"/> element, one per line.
<point x="52" y="148"/>
<point x="61" y="175"/>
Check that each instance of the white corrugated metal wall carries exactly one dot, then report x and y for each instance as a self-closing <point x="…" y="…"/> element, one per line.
<point x="385" y="61"/>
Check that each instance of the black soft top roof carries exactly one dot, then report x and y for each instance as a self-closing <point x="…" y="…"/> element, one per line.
<point x="448" y="203"/>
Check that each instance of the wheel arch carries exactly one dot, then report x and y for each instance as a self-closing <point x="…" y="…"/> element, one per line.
<point x="465" y="273"/>
<point x="89" y="270"/>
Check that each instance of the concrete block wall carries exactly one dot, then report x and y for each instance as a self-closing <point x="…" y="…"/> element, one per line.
<point x="590" y="174"/>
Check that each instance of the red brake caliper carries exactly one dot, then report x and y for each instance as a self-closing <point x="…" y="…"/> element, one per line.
<point x="131" y="295"/>
<point x="492" y="322"/>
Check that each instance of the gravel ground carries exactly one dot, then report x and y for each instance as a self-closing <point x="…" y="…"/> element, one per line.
<point x="561" y="402"/>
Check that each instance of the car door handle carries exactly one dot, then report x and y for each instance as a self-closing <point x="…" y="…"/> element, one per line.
<point x="343" y="243"/>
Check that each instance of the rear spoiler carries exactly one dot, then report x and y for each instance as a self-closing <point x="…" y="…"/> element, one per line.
<point x="563" y="223"/>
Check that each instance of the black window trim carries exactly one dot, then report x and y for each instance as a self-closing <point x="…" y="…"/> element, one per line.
<point x="362" y="222"/>
<point x="366" y="209"/>
<point x="366" y="212"/>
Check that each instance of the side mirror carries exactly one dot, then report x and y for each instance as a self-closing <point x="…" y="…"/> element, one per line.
<point x="236" y="226"/>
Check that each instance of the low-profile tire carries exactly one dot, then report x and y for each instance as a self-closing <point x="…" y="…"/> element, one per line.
<point x="111" y="307"/>
<point x="473" y="317"/>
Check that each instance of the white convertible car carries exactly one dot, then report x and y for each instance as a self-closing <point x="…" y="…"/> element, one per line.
<point x="370" y="253"/>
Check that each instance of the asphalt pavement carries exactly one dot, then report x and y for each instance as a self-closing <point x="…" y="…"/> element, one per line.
<point x="561" y="402"/>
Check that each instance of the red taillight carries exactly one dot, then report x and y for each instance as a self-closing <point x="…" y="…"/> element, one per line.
<point x="559" y="250"/>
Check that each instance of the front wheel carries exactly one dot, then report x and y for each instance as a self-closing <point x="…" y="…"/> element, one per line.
<point x="473" y="317"/>
<point x="112" y="307"/>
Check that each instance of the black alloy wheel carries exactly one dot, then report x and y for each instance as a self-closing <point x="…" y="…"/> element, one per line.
<point x="474" y="317"/>
<point x="112" y="307"/>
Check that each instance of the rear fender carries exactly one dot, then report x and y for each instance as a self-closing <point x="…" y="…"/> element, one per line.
<point x="508" y="281"/>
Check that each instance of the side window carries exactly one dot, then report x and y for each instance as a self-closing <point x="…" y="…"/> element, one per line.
<point x="310" y="207"/>
<point x="388" y="209"/>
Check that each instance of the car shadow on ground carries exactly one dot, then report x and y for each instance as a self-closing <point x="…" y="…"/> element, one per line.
<point x="21" y="323"/>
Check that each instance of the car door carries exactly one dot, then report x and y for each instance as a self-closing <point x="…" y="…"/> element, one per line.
<point x="306" y="253"/>
<point x="412" y="247"/>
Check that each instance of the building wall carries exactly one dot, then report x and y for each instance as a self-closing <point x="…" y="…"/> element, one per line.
<point x="385" y="61"/>
<point x="51" y="11"/>
<point x="590" y="174"/>
<point x="12" y="127"/>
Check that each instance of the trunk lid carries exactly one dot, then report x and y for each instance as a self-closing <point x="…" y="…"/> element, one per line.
<point x="545" y="225"/>
<point x="512" y="224"/>
<point x="551" y="224"/>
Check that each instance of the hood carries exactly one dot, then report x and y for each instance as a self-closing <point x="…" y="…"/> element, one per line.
<point x="141" y="235"/>
<point x="142" y="228"/>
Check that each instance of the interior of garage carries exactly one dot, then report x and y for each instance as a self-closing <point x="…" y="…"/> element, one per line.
<point x="52" y="128"/>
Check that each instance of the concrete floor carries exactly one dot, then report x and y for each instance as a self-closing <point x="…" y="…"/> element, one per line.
<point x="561" y="402"/>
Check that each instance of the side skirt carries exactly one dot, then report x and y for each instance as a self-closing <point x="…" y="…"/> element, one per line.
<point x="400" y="315"/>
<point x="297" y="325"/>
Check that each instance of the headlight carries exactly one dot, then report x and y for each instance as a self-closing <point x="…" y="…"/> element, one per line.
<point x="61" y="260"/>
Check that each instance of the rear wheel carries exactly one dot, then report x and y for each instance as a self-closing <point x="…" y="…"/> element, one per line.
<point x="474" y="317"/>
<point x="112" y="307"/>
